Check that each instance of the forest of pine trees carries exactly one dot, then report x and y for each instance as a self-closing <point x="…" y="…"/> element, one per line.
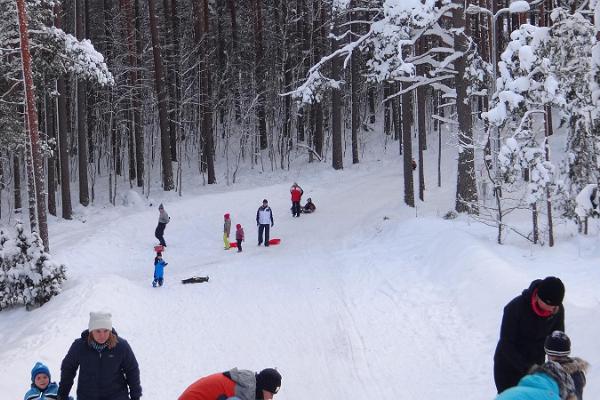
<point x="128" y="89"/>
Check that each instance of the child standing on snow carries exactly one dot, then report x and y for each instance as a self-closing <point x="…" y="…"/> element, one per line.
<point x="159" y="270"/>
<point x="239" y="236"/>
<point x="558" y="347"/>
<point x="226" y="231"/>
<point x="41" y="387"/>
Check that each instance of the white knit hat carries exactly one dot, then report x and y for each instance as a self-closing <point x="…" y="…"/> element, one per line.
<point x="100" y="320"/>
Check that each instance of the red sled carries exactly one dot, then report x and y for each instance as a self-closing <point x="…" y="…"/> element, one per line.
<point x="233" y="245"/>
<point x="274" y="242"/>
<point x="159" y="248"/>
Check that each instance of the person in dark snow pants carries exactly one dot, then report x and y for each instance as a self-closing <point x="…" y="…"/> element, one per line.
<point x="558" y="347"/>
<point x="264" y="217"/>
<point x="107" y="366"/>
<point x="544" y="382"/>
<point x="163" y="220"/>
<point x="296" y="192"/>
<point x="41" y="386"/>
<point x="235" y="384"/>
<point x="239" y="236"/>
<point x="526" y="322"/>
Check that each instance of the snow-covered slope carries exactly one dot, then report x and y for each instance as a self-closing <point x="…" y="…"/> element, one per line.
<point x="362" y="300"/>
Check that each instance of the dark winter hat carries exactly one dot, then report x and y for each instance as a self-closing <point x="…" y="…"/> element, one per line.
<point x="39" y="368"/>
<point x="268" y="379"/>
<point x="161" y="207"/>
<point x="265" y="201"/>
<point x="551" y="291"/>
<point x="557" y="344"/>
<point x="566" y="387"/>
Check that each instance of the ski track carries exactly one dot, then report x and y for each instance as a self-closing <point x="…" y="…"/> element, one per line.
<point x="361" y="300"/>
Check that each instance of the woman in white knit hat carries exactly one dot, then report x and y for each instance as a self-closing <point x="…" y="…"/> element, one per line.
<point x="107" y="366"/>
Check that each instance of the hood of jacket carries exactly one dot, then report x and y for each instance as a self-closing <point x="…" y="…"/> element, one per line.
<point x="245" y="383"/>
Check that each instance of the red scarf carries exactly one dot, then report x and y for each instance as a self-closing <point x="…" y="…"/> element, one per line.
<point x="536" y="308"/>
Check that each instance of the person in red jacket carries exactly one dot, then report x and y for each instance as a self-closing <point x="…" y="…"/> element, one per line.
<point x="240" y="383"/>
<point x="296" y="192"/>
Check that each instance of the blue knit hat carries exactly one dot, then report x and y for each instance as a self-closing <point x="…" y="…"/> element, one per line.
<point x="39" y="368"/>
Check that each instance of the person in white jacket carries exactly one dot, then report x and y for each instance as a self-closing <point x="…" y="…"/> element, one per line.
<point x="264" y="218"/>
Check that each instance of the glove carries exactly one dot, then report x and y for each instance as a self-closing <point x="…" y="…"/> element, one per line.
<point x="272" y="223"/>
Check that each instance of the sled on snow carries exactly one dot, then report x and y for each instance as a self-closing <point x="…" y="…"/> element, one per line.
<point x="195" y="279"/>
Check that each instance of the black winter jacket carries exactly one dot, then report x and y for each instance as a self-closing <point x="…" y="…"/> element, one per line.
<point x="112" y="374"/>
<point x="523" y="332"/>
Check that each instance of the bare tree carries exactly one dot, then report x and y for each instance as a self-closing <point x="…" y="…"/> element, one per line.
<point x="165" y="140"/>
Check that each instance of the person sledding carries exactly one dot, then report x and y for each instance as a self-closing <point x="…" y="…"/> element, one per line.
<point x="264" y="220"/>
<point x="296" y="192"/>
<point x="309" y="207"/>
<point x="159" y="270"/>
<point x="163" y="220"/>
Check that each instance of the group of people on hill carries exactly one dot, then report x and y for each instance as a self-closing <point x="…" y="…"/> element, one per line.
<point x="532" y="359"/>
<point x="108" y="370"/>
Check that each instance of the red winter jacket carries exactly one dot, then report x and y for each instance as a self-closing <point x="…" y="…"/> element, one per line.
<point x="296" y="192"/>
<point x="239" y="234"/>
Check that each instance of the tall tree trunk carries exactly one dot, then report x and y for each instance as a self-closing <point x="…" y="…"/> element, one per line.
<point x="136" y="131"/>
<point x="259" y="72"/>
<point x="421" y="121"/>
<point x="466" y="187"/>
<point x="17" y="183"/>
<point x="409" y="187"/>
<point x="137" y="103"/>
<point x="165" y="140"/>
<point x="82" y="134"/>
<point x="355" y="89"/>
<point x="206" y="95"/>
<point x="336" y="105"/>
<point x="50" y="118"/>
<point x="32" y="124"/>
<point x="170" y="75"/>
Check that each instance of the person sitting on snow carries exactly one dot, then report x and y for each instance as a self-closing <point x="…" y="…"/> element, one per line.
<point x="309" y="207"/>
<point x="41" y="387"/>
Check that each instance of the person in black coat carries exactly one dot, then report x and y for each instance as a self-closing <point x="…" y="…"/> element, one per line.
<point x="526" y="322"/>
<point x="107" y="366"/>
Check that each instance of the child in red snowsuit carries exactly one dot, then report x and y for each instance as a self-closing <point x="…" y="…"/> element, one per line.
<point x="239" y="236"/>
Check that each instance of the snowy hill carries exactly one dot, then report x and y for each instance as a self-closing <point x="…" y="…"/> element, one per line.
<point x="361" y="300"/>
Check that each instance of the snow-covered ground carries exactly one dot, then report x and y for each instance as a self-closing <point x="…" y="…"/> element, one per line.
<point x="366" y="299"/>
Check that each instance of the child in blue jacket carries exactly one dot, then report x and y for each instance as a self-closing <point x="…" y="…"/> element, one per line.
<point x="41" y="387"/>
<point x="159" y="270"/>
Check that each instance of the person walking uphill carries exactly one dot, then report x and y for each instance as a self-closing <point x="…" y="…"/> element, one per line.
<point x="235" y="384"/>
<point x="526" y="322"/>
<point x="264" y="217"/>
<point x="107" y="366"/>
<point x="296" y="192"/>
<point x="163" y="220"/>
<point x="226" y="231"/>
